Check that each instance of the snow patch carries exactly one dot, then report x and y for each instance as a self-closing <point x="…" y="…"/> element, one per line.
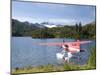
<point x="50" y="26"/>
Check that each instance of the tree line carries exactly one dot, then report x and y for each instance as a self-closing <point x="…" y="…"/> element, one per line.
<point x="36" y="30"/>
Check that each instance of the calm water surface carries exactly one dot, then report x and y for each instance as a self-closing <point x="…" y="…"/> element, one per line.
<point x="26" y="52"/>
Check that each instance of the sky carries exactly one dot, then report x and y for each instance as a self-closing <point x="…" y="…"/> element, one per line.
<point x="66" y="14"/>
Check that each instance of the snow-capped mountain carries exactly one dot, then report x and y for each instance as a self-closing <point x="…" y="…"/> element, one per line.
<point x="50" y="26"/>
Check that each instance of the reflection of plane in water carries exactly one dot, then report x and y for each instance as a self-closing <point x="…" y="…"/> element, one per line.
<point x="68" y="47"/>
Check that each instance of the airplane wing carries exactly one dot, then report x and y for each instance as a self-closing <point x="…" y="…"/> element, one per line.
<point x="73" y="46"/>
<point x="65" y="43"/>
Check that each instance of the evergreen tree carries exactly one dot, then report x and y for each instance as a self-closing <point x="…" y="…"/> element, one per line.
<point x="76" y="27"/>
<point x="80" y="27"/>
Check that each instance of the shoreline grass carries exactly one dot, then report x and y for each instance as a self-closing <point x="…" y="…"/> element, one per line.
<point x="90" y="65"/>
<point x="51" y="68"/>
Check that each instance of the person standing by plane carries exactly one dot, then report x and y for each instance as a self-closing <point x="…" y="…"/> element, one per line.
<point x="66" y="50"/>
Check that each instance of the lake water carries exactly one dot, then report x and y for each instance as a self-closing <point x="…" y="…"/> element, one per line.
<point x="25" y="52"/>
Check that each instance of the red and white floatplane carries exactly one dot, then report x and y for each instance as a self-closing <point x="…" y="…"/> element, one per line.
<point x="68" y="47"/>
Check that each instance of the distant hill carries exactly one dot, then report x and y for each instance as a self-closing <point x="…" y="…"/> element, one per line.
<point x="89" y="30"/>
<point x="34" y="26"/>
<point x="49" y="30"/>
<point x="19" y="28"/>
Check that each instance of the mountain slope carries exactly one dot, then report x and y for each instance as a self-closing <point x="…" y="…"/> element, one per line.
<point x="19" y="28"/>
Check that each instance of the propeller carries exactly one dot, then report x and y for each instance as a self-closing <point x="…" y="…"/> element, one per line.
<point x="63" y="41"/>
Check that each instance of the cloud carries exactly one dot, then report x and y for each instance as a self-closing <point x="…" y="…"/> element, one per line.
<point x="51" y="20"/>
<point x="31" y="20"/>
<point x="63" y="21"/>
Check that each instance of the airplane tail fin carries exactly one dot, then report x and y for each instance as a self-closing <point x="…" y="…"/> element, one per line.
<point x="77" y="46"/>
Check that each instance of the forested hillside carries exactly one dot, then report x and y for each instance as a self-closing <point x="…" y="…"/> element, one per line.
<point x="37" y="30"/>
